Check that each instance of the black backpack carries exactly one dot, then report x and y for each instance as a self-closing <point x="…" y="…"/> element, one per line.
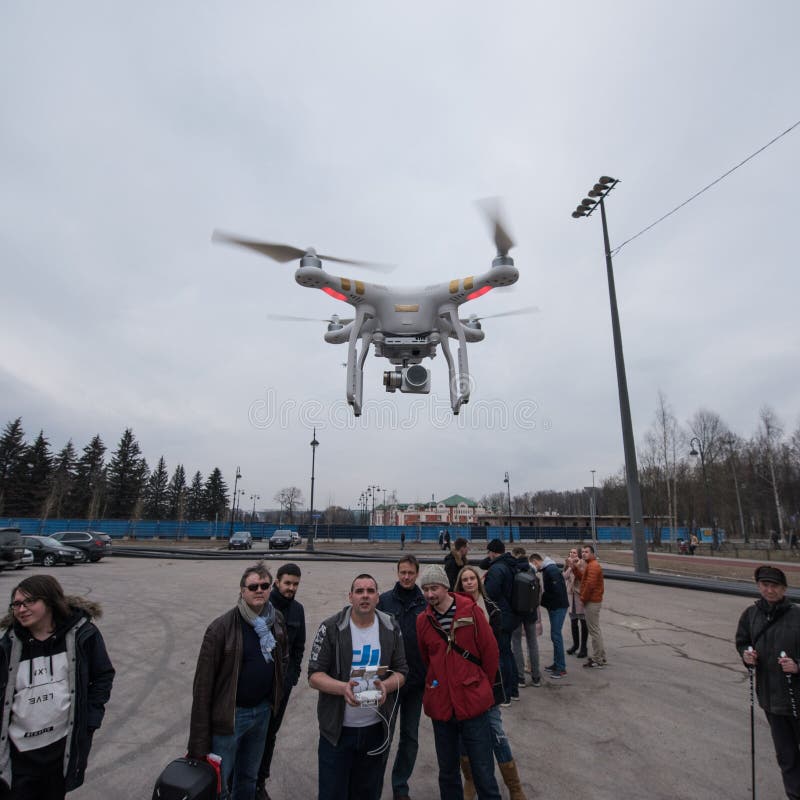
<point x="526" y="592"/>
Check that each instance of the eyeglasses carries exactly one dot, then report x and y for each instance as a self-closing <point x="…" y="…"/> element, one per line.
<point x="252" y="587"/>
<point x="16" y="605"/>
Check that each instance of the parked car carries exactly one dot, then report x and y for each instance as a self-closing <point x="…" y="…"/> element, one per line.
<point x="280" y="540"/>
<point x="47" y="551"/>
<point x="241" y="540"/>
<point x="11" y="548"/>
<point x="93" y="543"/>
<point x="26" y="560"/>
<point x="296" y="538"/>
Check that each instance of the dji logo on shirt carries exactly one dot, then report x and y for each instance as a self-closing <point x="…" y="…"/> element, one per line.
<point x="366" y="657"/>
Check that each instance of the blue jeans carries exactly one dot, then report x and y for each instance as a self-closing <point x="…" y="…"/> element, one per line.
<point x="508" y="667"/>
<point x="409" y="710"/>
<point x="472" y="735"/>
<point x="500" y="745"/>
<point x="346" y="771"/>
<point x="557" y="616"/>
<point x="533" y="649"/>
<point x="241" y="751"/>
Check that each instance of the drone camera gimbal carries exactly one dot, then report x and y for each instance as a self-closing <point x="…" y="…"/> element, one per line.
<point x="415" y="379"/>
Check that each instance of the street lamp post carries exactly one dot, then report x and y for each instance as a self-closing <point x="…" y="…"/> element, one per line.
<point x="507" y="482"/>
<point x="600" y="190"/>
<point x="709" y="513"/>
<point x="372" y="490"/>
<point x="593" y="510"/>
<point x="313" y="532"/>
<point x="233" y="502"/>
<point x="254" y="497"/>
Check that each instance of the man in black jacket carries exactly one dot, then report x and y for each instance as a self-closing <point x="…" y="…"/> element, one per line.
<point x="556" y="601"/>
<point x="771" y="627"/>
<point x="499" y="584"/>
<point x="456" y="559"/>
<point x="282" y="597"/>
<point x="405" y="602"/>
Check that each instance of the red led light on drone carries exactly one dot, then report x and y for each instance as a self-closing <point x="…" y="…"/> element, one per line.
<point x="479" y="293"/>
<point x="333" y="293"/>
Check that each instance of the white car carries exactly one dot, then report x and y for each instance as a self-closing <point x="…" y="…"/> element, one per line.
<point x="296" y="538"/>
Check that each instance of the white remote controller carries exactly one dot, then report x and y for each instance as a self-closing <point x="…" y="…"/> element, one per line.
<point x="370" y="697"/>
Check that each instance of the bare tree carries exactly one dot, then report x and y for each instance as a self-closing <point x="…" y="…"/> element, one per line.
<point x="289" y="498"/>
<point x="769" y="436"/>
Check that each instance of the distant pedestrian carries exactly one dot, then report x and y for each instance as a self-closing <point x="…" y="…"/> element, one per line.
<point x="402" y="540"/>
<point x="573" y="566"/>
<point x="56" y="677"/>
<point x="456" y="559"/>
<point x="771" y="627"/>
<point x="441" y="540"/>
<point x="555" y="600"/>
<point x="446" y="543"/>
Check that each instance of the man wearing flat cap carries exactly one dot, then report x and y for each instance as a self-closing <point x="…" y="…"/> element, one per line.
<point x="771" y="627"/>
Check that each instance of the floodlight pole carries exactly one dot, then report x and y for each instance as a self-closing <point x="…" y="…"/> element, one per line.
<point x="507" y="482"/>
<point x="233" y="503"/>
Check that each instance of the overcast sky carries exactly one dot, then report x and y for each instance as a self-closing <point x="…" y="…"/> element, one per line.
<point x="368" y="130"/>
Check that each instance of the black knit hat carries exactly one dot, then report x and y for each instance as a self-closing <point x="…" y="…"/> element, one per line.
<point x="496" y="546"/>
<point x="770" y="575"/>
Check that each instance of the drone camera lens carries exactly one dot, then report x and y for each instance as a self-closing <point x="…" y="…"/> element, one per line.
<point x="417" y="375"/>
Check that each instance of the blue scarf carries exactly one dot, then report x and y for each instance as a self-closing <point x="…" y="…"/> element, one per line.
<point x="262" y="623"/>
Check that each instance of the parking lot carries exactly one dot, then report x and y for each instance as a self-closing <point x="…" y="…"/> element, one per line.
<point x="668" y="719"/>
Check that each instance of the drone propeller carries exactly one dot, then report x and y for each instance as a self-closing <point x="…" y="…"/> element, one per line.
<point x="515" y="312"/>
<point x="284" y="253"/>
<point x="334" y="319"/>
<point x="492" y="210"/>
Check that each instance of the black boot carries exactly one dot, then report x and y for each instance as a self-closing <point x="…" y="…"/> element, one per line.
<point x="573" y="623"/>
<point x="584" y="639"/>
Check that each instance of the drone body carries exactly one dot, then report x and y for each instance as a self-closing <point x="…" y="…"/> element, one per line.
<point x="404" y="324"/>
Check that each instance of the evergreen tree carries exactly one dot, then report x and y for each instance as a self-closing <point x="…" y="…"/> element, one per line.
<point x="62" y="483"/>
<point x="177" y="494"/>
<point x="216" y="495"/>
<point x="156" y="498"/>
<point x="88" y="496"/>
<point x="38" y="469"/>
<point x="126" y="477"/>
<point x="12" y="449"/>
<point x="195" y="500"/>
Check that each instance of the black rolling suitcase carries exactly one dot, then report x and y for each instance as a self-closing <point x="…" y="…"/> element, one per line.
<point x="187" y="779"/>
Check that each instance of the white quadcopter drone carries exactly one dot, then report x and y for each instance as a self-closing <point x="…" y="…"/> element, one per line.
<point x="404" y="324"/>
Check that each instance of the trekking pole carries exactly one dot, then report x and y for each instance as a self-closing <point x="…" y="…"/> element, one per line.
<point x="751" y="670"/>
<point x="791" y="689"/>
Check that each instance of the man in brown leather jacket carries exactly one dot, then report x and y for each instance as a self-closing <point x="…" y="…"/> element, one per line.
<point x="238" y="681"/>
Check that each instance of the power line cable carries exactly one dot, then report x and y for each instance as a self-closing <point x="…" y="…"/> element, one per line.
<point x="705" y="188"/>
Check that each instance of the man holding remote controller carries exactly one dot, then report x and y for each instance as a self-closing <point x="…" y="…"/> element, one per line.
<point x="357" y="664"/>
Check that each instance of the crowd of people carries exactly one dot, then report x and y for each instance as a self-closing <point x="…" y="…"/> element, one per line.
<point x="446" y="639"/>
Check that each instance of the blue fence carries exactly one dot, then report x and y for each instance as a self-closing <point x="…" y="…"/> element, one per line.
<point x="150" y="529"/>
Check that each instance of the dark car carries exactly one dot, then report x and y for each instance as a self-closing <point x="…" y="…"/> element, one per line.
<point x="93" y="543"/>
<point x="280" y="540"/>
<point x="241" y="540"/>
<point x="47" y="551"/>
<point x="11" y="548"/>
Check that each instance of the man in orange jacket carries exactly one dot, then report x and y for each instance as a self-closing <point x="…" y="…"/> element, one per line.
<point x="592" y="586"/>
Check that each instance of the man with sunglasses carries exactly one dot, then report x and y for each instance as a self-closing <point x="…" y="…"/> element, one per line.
<point x="238" y="682"/>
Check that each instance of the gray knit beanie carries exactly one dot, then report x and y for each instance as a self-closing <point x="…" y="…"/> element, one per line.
<point x="434" y="573"/>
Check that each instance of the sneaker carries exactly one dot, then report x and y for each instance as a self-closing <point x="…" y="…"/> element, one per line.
<point x="507" y="704"/>
<point x="515" y="697"/>
<point x="557" y="674"/>
<point x="551" y="668"/>
<point x="592" y="664"/>
<point x="522" y="684"/>
<point x="536" y="682"/>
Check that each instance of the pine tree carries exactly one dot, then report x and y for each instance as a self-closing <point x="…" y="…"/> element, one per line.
<point x="38" y="470"/>
<point x="216" y="495"/>
<point x="88" y="497"/>
<point x="176" y="494"/>
<point x="156" y="499"/>
<point x="126" y="477"/>
<point x="195" y="500"/>
<point x="62" y="483"/>
<point x="12" y="449"/>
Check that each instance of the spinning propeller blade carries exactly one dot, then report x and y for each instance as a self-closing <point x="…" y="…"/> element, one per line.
<point x="515" y="312"/>
<point x="332" y="321"/>
<point x="492" y="210"/>
<point x="286" y="252"/>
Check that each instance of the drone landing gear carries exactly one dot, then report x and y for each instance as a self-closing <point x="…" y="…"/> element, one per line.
<point x="355" y="363"/>
<point x="459" y="382"/>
